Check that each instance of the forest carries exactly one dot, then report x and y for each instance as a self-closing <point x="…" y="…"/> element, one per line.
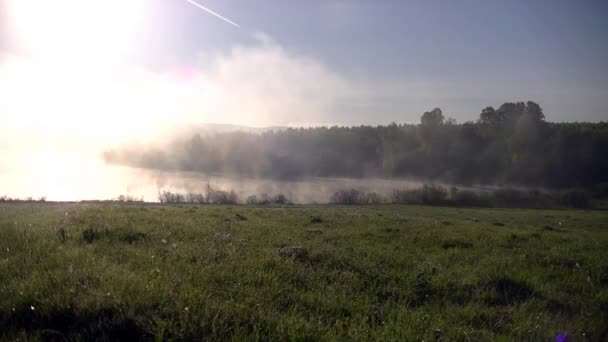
<point x="513" y="145"/>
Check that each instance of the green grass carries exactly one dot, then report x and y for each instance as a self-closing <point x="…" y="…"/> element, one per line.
<point x="367" y="273"/>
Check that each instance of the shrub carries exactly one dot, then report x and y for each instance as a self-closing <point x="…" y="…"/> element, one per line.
<point x="129" y="199"/>
<point x="222" y="197"/>
<point x="406" y="197"/>
<point x="576" y="199"/>
<point x="374" y="198"/>
<point x="349" y="197"/>
<point x="62" y="235"/>
<point x="465" y="197"/>
<point x="509" y="197"/>
<point x="280" y="199"/>
<point x="265" y="199"/>
<point x="169" y="197"/>
<point x="600" y="191"/>
<point x="90" y="235"/>
<point x="433" y="194"/>
<point x="196" y="198"/>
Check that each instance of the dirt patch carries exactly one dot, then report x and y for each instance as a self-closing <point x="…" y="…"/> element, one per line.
<point x="456" y="244"/>
<point x="90" y="235"/>
<point x="294" y="252"/>
<point x="316" y="219"/>
<point x="506" y="291"/>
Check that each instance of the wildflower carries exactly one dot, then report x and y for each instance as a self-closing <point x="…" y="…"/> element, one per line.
<point x="32" y="307"/>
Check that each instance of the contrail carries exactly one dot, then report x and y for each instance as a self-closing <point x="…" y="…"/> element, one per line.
<point x="215" y="14"/>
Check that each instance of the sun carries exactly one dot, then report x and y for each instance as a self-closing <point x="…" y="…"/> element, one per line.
<point x="73" y="60"/>
<point x="91" y="31"/>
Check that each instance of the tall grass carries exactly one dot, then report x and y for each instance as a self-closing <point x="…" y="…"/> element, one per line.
<point x="126" y="272"/>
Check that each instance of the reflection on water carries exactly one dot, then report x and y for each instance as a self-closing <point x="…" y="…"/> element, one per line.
<point x="75" y="177"/>
<point x="68" y="177"/>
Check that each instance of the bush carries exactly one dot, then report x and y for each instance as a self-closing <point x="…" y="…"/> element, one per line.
<point x="196" y="198"/>
<point x="464" y="197"/>
<point x="90" y="235"/>
<point x="222" y="197"/>
<point x="374" y="198"/>
<point x="519" y="198"/>
<point x="129" y="199"/>
<point x="509" y="197"/>
<point x="600" y="191"/>
<point x="280" y="199"/>
<point x="576" y="199"/>
<point x="348" y="197"/>
<point x="428" y="194"/>
<point x="406" y="197"/>
<point x="433" y="194"/>
<point x="265" y="199"/>
<point x="169" y="197"/>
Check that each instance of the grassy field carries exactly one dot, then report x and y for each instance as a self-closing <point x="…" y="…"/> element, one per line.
<point x="84" y="271"/>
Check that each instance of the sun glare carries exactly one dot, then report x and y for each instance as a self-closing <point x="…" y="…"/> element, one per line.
<point x="97" y="31"/>
<point x="74" y="63"/>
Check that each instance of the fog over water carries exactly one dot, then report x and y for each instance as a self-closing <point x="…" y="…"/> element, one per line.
<point x="64" y="176"/>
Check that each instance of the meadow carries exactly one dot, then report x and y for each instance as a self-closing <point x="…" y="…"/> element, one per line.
<point x="301" y="273"/>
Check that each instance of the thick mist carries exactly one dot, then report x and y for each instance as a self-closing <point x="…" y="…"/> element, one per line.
<point x="72" y="130"/>
<point x="509" y="146"/>
<point x="58" y="116"/>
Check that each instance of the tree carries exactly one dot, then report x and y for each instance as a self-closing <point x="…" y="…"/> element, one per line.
<point x="432" y="118"/>
<point x="511" y="145"/>
<point x="533" y="112"/>
<point x="489" y="116"/>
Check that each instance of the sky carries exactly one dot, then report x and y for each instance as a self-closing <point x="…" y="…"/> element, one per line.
<point x="80" y="76"/>
<point x="336" y="62"/>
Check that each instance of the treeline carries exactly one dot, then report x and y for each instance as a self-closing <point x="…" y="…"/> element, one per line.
<point x="220" y="197"/>
<point x="501" y="198"/>
<point x="212" y="196"/>
<point x="215" y="196"/>
<point x="8" y="199"/>
<point x="428" y="194"/>
<point x="511" y="145"/>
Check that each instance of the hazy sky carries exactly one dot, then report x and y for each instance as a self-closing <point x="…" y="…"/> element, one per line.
<point x="372" y="62"/>
<point x="80" y="76"/>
